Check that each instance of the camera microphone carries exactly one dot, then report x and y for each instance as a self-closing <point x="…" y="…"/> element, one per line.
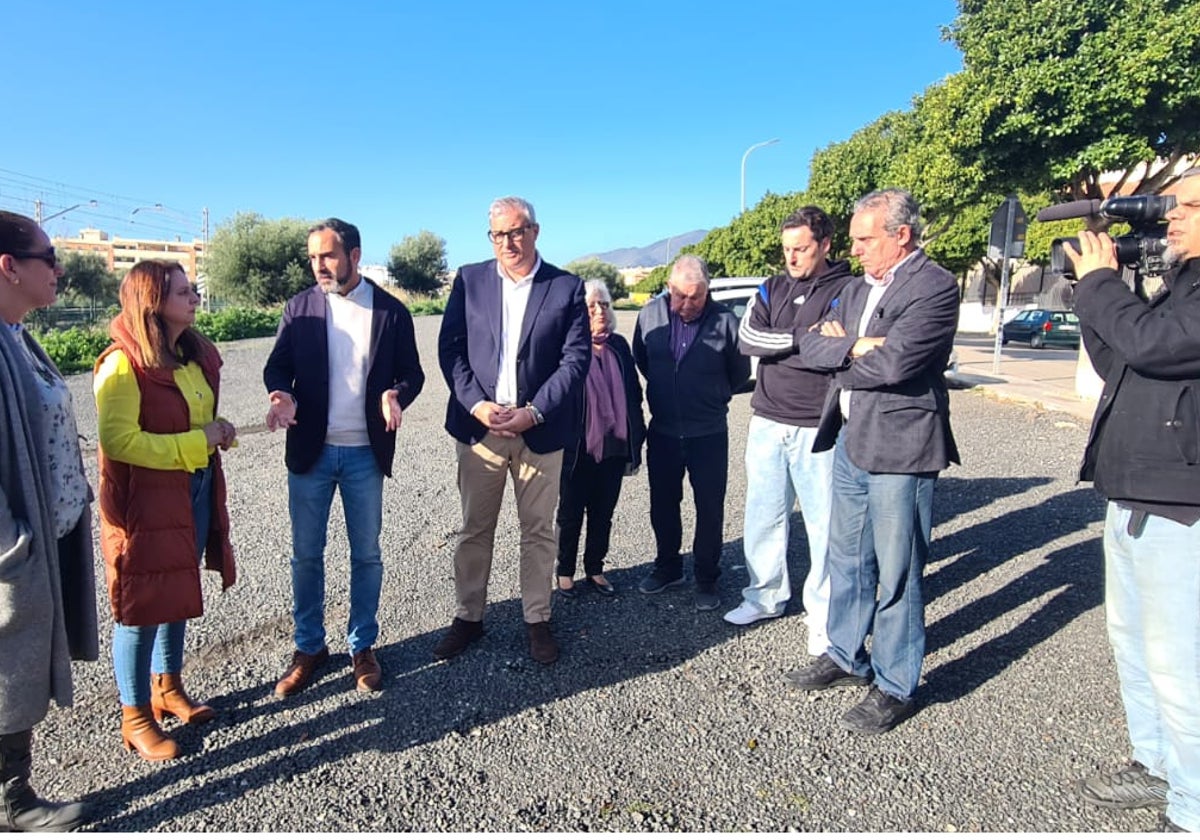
<point x="1070" y="210"/>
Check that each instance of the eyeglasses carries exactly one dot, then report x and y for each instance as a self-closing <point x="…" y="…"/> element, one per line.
<point x="48" y="256"/>
<point x="599" y="304"/>
<point x="514" y="235"/>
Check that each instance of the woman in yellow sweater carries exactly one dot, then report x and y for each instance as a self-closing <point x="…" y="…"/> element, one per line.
<point x="162" y="494"/>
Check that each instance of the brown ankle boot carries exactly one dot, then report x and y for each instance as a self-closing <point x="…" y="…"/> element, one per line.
<point x="168" y="699"/>
<point x="140" y="732"/>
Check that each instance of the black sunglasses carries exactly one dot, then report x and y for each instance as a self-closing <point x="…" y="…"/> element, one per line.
<point x="48" y="256"/>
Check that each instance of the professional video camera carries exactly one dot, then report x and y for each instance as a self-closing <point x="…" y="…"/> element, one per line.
<point x="1142" y="249"/>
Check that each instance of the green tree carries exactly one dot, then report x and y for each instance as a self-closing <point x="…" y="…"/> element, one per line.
<point x="87" y="281"/>
<point x="418" y="263"/>
<point x="258" y="261"/>
<point x="594" y="268"/>
<point x="1061" y="91"/>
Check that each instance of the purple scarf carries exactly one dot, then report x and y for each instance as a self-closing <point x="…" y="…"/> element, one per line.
<point x="607" y="413"/>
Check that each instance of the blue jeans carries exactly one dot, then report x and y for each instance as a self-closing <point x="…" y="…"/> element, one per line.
<point x="1152" y="592"/>
<point x="781" y="466"/>
<point x="159" y="647"/>
<point x="878" y="537"/>
<point x="353" y="471"/>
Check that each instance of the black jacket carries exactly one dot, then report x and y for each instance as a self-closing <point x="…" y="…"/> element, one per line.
<point x="1144" y="444"/>
<point x="691" y="398"/>
<point x="786" y="390"/>
<point x="635" y="423"/>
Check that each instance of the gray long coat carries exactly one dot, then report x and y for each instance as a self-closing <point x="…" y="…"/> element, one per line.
<point x="38" y="635"/>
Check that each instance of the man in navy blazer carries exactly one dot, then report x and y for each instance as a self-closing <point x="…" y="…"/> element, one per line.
<point x="343" y="369"/>
<point x="514" y="348"/>
<point x="888" y="411"/>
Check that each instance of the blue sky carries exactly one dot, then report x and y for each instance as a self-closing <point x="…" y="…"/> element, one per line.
<point x="624" y="123"/>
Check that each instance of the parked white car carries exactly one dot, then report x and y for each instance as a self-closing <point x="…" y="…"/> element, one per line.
<point x="735" y="292"/>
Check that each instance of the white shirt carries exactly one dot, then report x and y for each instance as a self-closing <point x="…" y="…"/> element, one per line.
<point x="514" y="299"/>
<point x="348" y="330"/>
<point x="878" y="287"/>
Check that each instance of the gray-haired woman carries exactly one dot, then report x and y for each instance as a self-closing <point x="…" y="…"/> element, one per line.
<point x="47" y="589"/>
<point x="609" y="447"/>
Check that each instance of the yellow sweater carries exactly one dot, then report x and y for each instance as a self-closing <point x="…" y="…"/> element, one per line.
<point x="118" y="404"/>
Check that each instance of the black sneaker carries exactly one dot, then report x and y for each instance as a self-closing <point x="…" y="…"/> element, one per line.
<point x="823" y="673"/>
<point x="707" y="597"/>
<point x="1131" y="786"/>
<point x="660" y="581"/>
<point x="878" y="712"/>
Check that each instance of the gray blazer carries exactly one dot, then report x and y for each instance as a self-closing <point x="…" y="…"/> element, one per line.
<point x="899" y="408"/>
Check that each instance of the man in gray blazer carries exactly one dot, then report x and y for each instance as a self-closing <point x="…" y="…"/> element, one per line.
<point x="888" y="411"/>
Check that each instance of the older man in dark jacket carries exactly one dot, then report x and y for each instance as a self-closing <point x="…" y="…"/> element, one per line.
<point x="685" y="345"/>
<point x="1144" y="456"/>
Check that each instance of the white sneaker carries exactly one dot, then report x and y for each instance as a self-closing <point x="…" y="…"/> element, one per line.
<point x="747" y="613"/>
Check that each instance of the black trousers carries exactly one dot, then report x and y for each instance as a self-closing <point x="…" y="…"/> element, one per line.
<point x="706" y="462"/>
<point x="593" y="489"/>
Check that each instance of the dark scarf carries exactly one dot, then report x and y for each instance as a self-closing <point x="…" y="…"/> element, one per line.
<point x="607" y="414"/>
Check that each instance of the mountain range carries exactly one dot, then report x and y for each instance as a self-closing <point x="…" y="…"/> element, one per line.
<point x="658" y="253"/>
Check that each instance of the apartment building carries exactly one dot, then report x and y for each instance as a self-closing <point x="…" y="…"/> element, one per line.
<point x="121" y="253"/>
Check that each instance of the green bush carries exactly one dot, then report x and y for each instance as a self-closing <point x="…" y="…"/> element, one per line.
<point x="427" y="306"/>
<point x="238" y="322"/>
<point x="74" y="350"/>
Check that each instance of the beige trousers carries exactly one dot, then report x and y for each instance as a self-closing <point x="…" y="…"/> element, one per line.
<point x="482" y="470"/>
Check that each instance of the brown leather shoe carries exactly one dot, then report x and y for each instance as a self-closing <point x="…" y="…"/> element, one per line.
<point x="140" y="732"/>
<point x="168" y="699"/>
<point x="458" y="638"/>
<point x="367" y="673"/>
<point x="301" y="672"/>
<point x="542" y="646"/>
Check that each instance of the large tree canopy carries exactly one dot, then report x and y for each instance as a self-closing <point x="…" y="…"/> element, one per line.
<point x="594" y="268"/>
<point x="418" y="263"/>
<point x="1057" y="92"/>
<point x="258" y="261"/>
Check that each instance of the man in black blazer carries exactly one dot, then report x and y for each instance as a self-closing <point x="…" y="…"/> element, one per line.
<point x="514" y="348"/>
<point x="888" y="411"/>
<point x="343" y="369"/>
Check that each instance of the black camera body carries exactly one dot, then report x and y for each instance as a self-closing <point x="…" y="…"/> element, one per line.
<point x="1141" y="249"/>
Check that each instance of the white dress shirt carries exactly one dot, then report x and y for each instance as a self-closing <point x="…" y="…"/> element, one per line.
<point x="514" y="299"/>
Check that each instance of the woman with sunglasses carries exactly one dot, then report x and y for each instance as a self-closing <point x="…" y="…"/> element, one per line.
<point x="162" y="494"/>
<point x="47" y="589"/>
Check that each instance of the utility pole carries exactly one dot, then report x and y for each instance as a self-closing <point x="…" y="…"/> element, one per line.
<point x="37" y="211"/>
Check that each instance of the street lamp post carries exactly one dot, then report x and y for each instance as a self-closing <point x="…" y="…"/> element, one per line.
<point x="746" y="155"/>
<point x="39" y="218"/>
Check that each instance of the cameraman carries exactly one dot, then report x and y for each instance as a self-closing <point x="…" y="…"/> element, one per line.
<point x="1143" y="454"/>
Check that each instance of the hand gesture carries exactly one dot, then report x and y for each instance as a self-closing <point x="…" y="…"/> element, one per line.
<point x="494" y="416"/>
<point x="282" y="412"/>
<point x="390" y="406"/>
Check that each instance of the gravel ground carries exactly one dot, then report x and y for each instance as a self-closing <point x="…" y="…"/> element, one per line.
<point x="656" y="716"/>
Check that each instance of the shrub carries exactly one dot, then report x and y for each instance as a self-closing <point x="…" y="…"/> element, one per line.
<point x="74" y="350"/>
<point x="238" y="322"/>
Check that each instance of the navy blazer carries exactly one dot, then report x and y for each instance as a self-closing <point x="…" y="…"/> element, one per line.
<point x="299" y="365"/>
<point x="552" y="358"/>
<point x="899" y="405"/>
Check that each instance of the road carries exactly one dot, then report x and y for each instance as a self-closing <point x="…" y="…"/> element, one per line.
<point x="656" y="717"/>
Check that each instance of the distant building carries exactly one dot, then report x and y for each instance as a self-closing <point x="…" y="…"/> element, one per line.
<point x="635" y="275"/>
<point x="377" y="273"/>
<point x="122" y="254"/>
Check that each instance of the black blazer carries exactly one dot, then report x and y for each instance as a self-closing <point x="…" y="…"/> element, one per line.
<point x="635" y="420"/>
<point x="299" y="365"/>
